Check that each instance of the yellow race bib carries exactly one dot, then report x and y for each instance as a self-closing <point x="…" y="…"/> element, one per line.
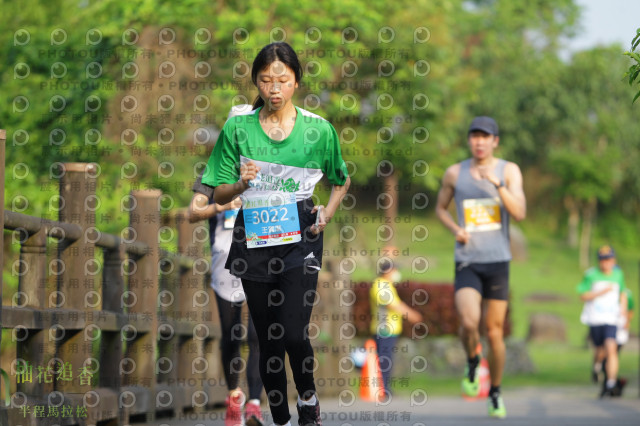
<point x="481" y="214"/>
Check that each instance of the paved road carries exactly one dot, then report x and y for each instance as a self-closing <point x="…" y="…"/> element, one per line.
<point x="525" y="407"/>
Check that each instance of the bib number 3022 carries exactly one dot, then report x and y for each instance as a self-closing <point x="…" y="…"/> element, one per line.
<point x="271" y="221"/>
<point x="273" y="215"/>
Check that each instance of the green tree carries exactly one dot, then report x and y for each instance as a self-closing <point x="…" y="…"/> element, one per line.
<point x="514" y="46"/>
<point x="634" y="70"/>
<point x="594" y="142"/>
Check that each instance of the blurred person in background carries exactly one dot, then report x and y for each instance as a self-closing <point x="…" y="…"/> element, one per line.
<point x="387" y="312"/>
<point x="622" y="337"/>
<point x="603" y="291"/>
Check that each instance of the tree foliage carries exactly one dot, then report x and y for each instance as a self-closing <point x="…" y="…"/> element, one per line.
<point x="634" y="70"/>
<point x="400" y="81"/>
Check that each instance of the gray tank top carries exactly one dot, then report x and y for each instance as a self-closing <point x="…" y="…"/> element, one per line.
<point x="481" y="212"/>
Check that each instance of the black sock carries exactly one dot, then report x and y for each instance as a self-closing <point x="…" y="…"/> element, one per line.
<point x="494" y="391"/>
<point x="473" y="364"/>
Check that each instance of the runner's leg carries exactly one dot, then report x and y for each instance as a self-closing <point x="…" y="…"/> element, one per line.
<point x="263" y="300"/>
<point x="496" y="311"/>
<point x="611" y="350"/>
<point x="299" y="290"/>
<point x="230" y="340"/>
<point x="468" y="305"/>
<point x="253" y="362"/>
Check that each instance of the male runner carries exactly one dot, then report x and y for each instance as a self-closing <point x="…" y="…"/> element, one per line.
<point x="486" y="190"/>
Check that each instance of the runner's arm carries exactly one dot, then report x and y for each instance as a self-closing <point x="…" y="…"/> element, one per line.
<point x="226" y="192"/>
<point x="200" y="209"/>
<point x="590" y="295"/>
<point x="512" y="194"/>
<point x="445" y="195"/>
<point x="623" y="304"/>
<point x="337" y="194"/>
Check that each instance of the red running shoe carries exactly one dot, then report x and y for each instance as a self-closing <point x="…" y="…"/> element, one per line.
<point x="234" y="403"/>
<point x="253" y="415"/>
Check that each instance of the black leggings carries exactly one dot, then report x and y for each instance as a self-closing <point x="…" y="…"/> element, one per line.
<point x="281" y="312"/>
<point x="233" y="332"/>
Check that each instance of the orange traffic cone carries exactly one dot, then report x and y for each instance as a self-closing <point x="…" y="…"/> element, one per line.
<point x="371" y="384"/>
<point x="483" y="376"/>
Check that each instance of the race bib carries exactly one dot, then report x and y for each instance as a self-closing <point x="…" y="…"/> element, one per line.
<point x="481" y="214"/>
<point x="271" y="221"/>
<point x="609" y="302"/>
<point x="230" y="218"/>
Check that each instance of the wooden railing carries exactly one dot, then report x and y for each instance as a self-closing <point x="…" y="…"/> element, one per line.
<point x="112" y="328"/>
<point x="115" y="330"/>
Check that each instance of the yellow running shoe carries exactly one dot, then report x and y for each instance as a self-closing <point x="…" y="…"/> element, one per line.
<point x="471" y="388"/>
<point x="496" y="407"/>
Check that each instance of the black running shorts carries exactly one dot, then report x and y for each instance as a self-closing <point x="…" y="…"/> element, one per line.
<point x="490" y="279"/>
<point x="265" y="264"/>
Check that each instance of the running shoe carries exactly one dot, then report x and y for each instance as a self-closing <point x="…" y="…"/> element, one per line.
<point x="469" y="387"/>
<point x="233" y="416"/>
<point x="309" y="415"/>
<point x="622" y="382"/>
<point x="496" y="407"/>
<point x="607" y="392"/>
<point x="253" y="415"/>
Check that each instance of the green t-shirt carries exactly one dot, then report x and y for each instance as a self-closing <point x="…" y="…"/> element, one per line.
<point x="605" y="308"/>
<point x="293" y="165"/>
<point x="630" y="301"/>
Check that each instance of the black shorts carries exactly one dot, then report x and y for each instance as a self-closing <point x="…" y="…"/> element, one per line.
<point x="490" y="279"/>
<point x="265" y="264"/>
<point x="600" y="333"/>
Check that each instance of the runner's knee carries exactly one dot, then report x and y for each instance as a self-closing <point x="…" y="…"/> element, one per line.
<point x="469" y="323"/>
<point x="495" y="333"/>
<point x="295" y="340"/>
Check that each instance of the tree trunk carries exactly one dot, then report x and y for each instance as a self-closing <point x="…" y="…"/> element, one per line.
<point x="585" y="236"/>
<point x="574" y="221"/>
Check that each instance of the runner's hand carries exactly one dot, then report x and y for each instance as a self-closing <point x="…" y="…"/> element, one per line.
<point x="462" y="236"/>
<point x="321" y="220"/>
<point x="236" y="203"/>
<point x="248" y="171"/>
<point x="607" y="289"/>
<point x="486" y="172"/>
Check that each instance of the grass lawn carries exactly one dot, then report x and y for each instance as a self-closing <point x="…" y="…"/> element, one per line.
<point x="551" y="267"/>
<point x="556" y="364"/>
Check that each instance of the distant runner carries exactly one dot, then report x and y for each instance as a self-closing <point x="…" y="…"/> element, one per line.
<point x="486" y="190"/>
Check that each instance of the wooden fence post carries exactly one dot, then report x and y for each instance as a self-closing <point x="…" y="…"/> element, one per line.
<point x="37" y="349"/>
<point x="190" y="348"/>
<point x="143" y="287"/>
<point x="168" y="336"/>
<point x="76" y="270"/>
<point x="111" y="344"/>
